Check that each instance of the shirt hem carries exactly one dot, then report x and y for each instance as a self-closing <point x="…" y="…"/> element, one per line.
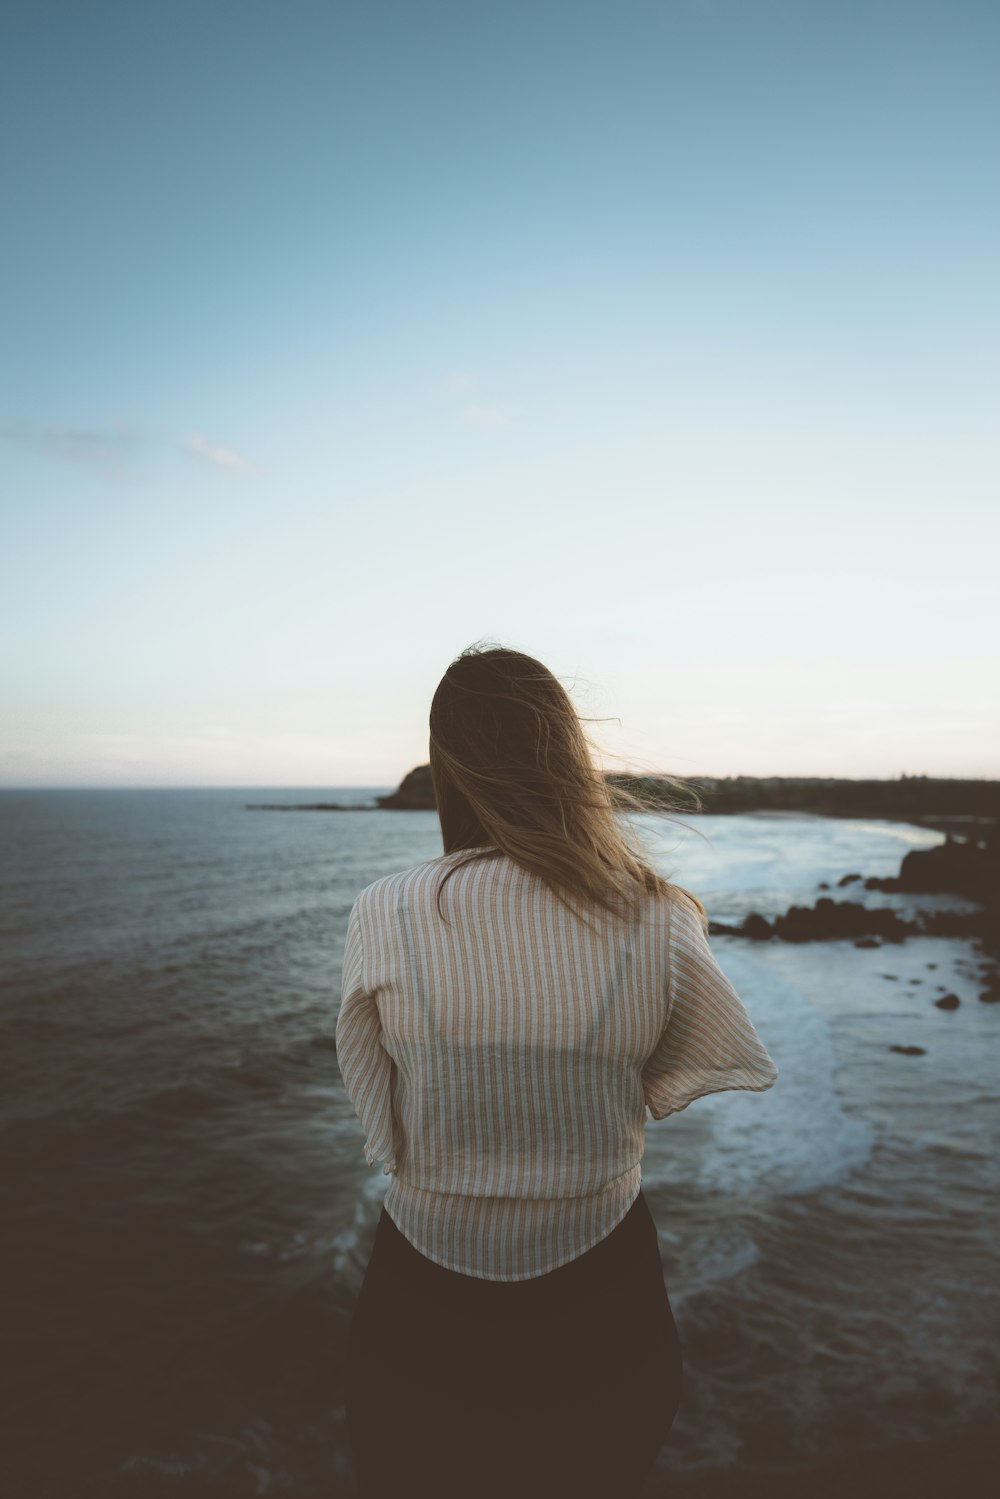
<point x="631" y="1178"/>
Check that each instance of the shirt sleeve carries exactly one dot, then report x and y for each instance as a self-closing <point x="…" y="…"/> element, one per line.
<point x="708" y="1044"/>
<point x="365" y="1065"/>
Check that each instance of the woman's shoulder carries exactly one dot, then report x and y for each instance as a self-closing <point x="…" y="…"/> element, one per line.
<point x="683" y="905"/>
<point x="415" y="875"/>
<point x="388" y="886"/>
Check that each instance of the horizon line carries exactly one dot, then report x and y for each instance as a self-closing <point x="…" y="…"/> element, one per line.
<point x="379" y="787"/>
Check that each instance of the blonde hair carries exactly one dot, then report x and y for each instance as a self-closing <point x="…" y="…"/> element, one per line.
<point x="513" y="773"/>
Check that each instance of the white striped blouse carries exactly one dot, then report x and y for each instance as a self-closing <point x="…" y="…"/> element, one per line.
<point x="501" y="1066"/>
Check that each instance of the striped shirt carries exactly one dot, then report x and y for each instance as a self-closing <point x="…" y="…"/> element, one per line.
<point x="501" y="1066"/>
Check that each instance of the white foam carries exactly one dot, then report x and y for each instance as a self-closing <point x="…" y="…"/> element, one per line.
<point x="778" y="860"/>
<point x="792" y="1139"/>
<point x="714" y="1254"/>
<point x="351" y="1246"/>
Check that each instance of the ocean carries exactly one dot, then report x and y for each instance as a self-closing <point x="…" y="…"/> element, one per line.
<point x="186" y="1212"/>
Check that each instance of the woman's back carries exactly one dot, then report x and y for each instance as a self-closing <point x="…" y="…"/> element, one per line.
<point x="504" y="1034"/>
<point x="502" y="1060"/>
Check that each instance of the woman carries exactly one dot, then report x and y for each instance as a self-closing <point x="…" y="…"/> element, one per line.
<point x="509" y="1011"/>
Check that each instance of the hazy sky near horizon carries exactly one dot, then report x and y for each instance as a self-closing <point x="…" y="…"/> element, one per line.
<point x="659" y="340"/>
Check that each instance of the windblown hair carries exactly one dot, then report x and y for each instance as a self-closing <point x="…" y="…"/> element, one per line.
<point x="513" y="773"/>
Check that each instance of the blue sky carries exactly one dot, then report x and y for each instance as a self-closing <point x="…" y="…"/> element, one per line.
<point x="659" y="340"/>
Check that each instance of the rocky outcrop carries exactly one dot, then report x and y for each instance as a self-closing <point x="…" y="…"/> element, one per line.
<point x="414" y="794"/>
<point x="829" y="920"/>
<point x="825" y="920"/>
<point x="309" y="807"/>
<point x="953" y="868"/>
<point x="965" y="867"/>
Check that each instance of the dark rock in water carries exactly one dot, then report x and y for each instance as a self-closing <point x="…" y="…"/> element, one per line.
<point x="834" y="919"/>
<point x="756" y="926"/>
<point x="892" y="976"/>
<point x="309" y="807"/>
<point x="948" y="1002"/>
<point x="991" y="996"/>
<point x="848" y="878"/>
<point x="823" y="885"/>
<point x="910" y="1051"/>
<point x="915" y="981"/>
<point x="414" y="794"/>
<point x="982" y="924"/>
<point x="952" y="868"/>
<point x="931" y="965"/>
<point x="868" y="942"/>
<point x="961" y="867"/>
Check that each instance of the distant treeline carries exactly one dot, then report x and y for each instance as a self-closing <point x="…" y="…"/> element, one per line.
<point x="908" y="796"/>
<point x="920" y="798"/>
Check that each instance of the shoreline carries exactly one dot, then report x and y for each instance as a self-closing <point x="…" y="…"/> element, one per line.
<point x="967" y="864"/>
<point x="951" y="806"/>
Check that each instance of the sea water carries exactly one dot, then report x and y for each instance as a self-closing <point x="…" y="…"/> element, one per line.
<point x="187" y="1213"/>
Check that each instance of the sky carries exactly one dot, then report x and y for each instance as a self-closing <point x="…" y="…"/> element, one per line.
<point x="659" y="339"/>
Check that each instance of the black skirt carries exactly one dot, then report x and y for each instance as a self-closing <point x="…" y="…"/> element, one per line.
<point x="567" y="1383"/>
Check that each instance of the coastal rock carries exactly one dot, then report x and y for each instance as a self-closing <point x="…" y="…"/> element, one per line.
<point x="848" y="879"/>
<point x="833" y="919"/>
<point x="307" y="807"/>
<point x="948" y="1002"/>
<point x="910" y="1051"/>
<point x="415" y="792"/>
<point x="757" y="927"/>
<point x="868" y="942"/>
<point x="963" y="868"/>
<point x="952" y="868"/>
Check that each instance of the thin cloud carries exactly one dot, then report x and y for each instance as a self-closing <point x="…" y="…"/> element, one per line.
<point x="459" y="383"/>
<point x="118" y="450"/>
<point x="458" y="386"/>
<point x="101" y="450"/>
<point x="219" y="456"/>
<point x="484" y="416"/>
